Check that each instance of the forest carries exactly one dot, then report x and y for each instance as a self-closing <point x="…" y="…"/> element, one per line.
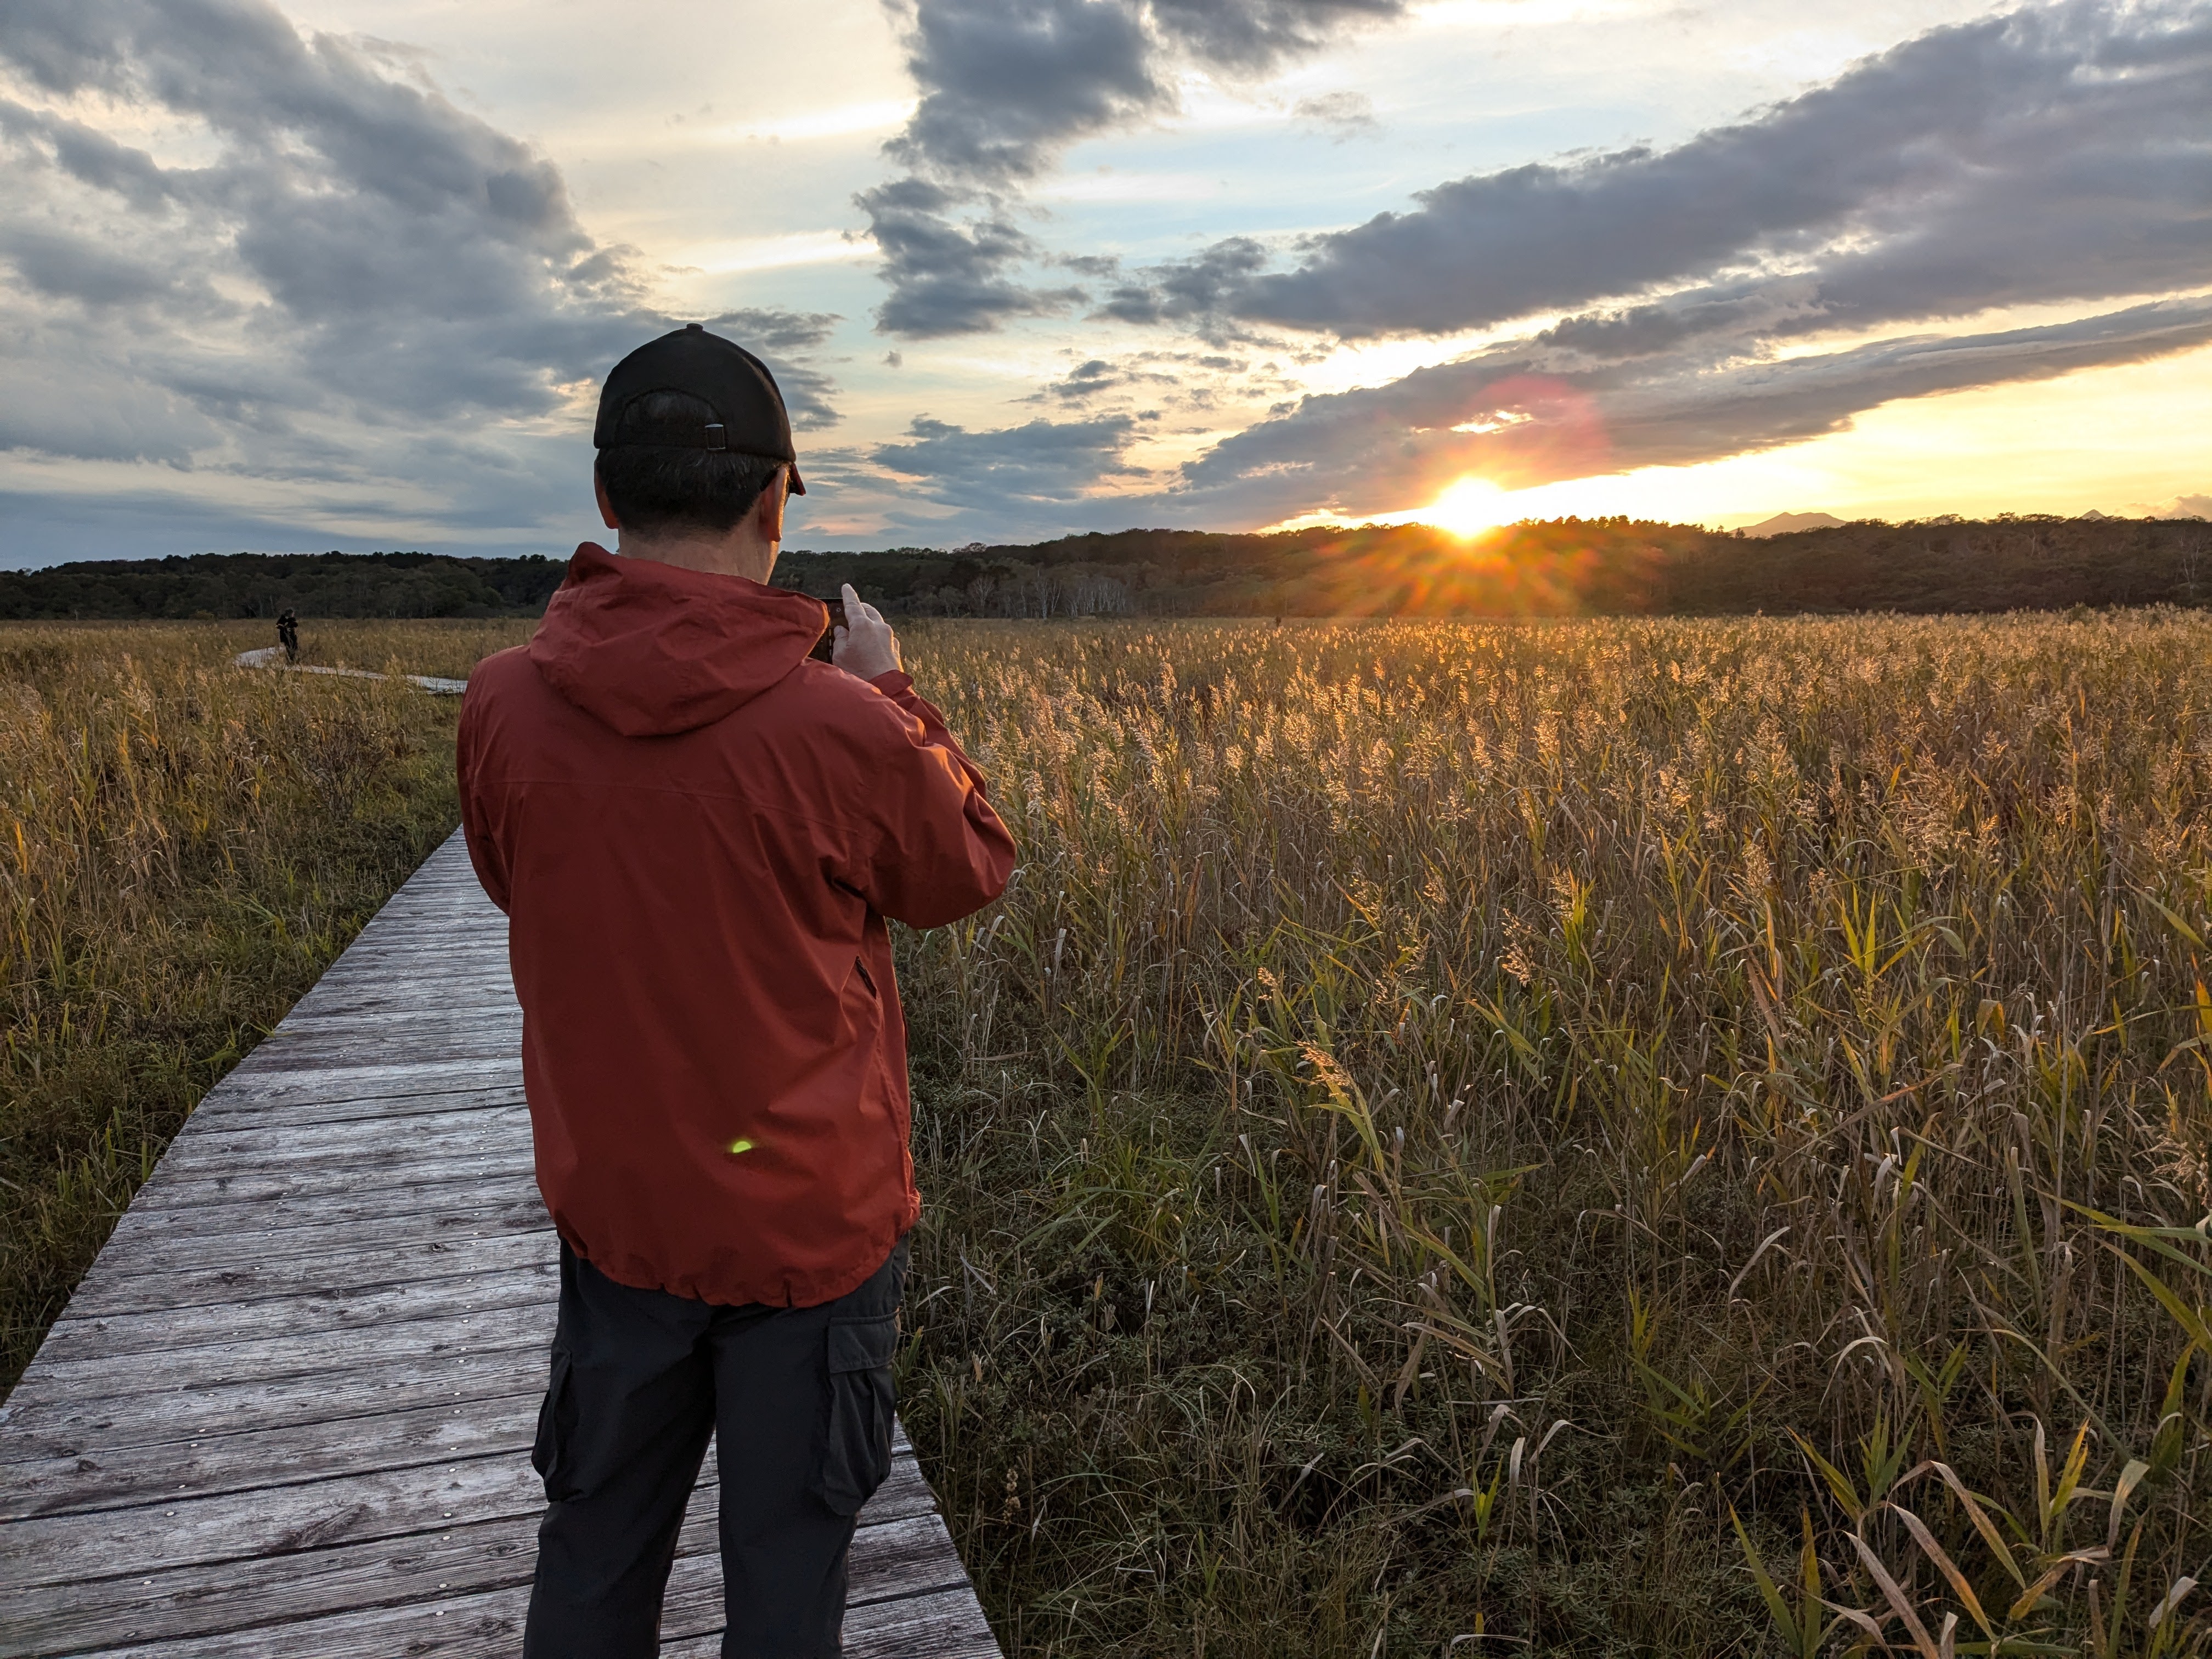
<point x="1551" y="568"/>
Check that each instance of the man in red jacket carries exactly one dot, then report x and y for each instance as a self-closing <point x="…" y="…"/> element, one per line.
<point x="696" y="833"/>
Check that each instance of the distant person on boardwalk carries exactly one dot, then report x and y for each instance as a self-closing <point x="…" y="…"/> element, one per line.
<point x="288" y="635"/>
<point x="696" y="833"/>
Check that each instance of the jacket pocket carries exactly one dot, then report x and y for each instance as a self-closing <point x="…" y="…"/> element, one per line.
<point x="551" y="1453"/>
<point x="856" y="1452"/>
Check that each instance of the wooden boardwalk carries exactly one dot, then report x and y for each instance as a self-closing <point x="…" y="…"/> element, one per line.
<point x="289" y="1411"/>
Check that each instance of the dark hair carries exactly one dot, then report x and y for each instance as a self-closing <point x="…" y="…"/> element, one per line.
<point x="653" y="487"/>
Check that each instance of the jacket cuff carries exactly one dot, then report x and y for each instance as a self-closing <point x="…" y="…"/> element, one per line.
<point x="895" y="683"/>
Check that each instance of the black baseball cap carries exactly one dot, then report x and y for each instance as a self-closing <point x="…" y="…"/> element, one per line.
<point x="748" y="418"/>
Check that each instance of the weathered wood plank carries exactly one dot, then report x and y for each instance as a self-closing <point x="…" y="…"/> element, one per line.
<point x="290" y="1275"/>
<point x="119" y="1291"/>
<point x="261" y="1459"/>
<point x="241" y="1525"/>
<point x="901" y="1553"/>
<point x="428" y="1137"/>
<point x="396" y="980"/>
<point x="246" y="1110"/>
<point x="310" y="1354"/>
<point x="70" y="1426"/>
<point x="358" y="1052"/>
<point x="157" y="1249"/>
<point x="273" y="1082"/>
<point x="389" y="1168"/>
<point x="438" y="1018"/>
<point x="160" y="1335"/>
<point x="264" y="1458"/>
<point x="72" y="1423"/>
<point x="444" y="1203"/>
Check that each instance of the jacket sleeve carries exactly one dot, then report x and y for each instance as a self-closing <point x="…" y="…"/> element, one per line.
<point x="475" y="826"/>
<point x="934" y="849"/>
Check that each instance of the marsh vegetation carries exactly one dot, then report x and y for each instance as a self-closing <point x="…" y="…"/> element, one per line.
<point x="1661" y="1137"/>
<point x="1601" y="1137"/>
<point x="183" y="847"/>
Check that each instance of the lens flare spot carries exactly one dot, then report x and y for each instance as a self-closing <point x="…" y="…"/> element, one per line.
<point x="740" y="1145"/>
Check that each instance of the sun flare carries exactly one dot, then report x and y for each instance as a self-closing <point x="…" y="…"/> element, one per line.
<point x="1469" y="507"/>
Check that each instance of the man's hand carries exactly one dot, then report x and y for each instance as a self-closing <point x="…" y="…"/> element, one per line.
<point x="865" y="645"/>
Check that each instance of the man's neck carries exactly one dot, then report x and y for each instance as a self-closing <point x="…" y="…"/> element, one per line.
<point x="734" y="554"/>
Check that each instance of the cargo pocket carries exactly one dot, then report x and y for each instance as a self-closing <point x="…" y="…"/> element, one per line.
<point x="856" y="1454"/>
<point x="549" y="1454"/>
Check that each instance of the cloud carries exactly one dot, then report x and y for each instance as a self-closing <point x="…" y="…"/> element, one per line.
<point x="1042" y="462"/>
<point x="1006" y="87"/>
<point x="1521" y="413"/>
<point x="403" y="250"/>
<point x="345" y="278"/>
<point x="1526" y="413"/>
<point x="948" y="277"/>
<point x="781" y="339"/>
<point x="1155" y="374"/>
<point x="1191" y="289"/>
<point x="1007" y="84"/>
<point x="1344" y="114"/>
<point x="2058" y="153"/>
<point x="2058" y="156"/>
<point x="1251" y="37"/>
<point x="2181" y="507"/>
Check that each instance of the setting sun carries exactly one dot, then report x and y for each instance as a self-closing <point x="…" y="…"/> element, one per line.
<point x="1469" y="507"/>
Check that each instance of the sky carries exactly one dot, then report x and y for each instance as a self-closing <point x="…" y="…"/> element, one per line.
<point x="345" y="273"/>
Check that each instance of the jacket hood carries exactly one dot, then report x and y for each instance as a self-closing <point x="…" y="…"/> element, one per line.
<point x="652" y="649"/>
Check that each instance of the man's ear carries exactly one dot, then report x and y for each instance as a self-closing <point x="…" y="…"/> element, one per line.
<point x="606" y="508"/>
<point x="769" y="510"/>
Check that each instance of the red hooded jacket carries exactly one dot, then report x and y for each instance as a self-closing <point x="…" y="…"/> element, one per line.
<point x="697" y="833"/>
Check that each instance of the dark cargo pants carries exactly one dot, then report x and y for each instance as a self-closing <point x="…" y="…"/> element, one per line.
<point x="799" y="1402"/>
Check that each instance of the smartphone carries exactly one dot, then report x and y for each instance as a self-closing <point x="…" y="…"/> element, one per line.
<point x="822" y="647"/>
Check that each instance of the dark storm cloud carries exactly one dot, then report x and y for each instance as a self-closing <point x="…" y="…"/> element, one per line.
<point x="1042" y="462"/>
<point x="352" y="281"/>
<point x="1007" y="86"/>
<point x="2062" y="153"/>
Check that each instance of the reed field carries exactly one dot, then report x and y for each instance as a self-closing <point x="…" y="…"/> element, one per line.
<point x="183" y="847"/>
<point x="1671" y="1137"/>
<point x="1617" y="1137"/>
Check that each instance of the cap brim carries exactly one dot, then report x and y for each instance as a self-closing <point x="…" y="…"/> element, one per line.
<point x="798" y="485"/>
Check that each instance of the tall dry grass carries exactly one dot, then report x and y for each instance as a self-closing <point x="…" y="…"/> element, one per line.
<point x="184" y="846"/>
<point x="1655" y="1136"/>
<point x="1619" y="1137"/>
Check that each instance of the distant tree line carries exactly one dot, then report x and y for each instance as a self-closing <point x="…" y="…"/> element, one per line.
<point x="1557" y="567"/>
<point x="265" y="584"/>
